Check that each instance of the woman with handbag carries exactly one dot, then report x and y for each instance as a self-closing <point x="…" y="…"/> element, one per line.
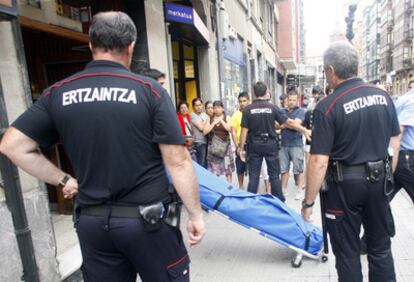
<point x="219" y="158"/>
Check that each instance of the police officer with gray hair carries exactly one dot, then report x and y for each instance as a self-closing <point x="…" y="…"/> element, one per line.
<point x="352" y="130"/>
<point x="121" y="133"/>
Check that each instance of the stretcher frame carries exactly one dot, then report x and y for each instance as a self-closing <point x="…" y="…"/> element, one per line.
<point x="296" y="261"/>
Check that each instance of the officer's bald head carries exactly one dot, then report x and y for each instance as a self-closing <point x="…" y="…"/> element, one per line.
<point x="112" y="32"/>
<point x="343" y="58"/>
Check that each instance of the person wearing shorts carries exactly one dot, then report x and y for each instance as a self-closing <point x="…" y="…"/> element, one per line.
<point x="292" y="150"/>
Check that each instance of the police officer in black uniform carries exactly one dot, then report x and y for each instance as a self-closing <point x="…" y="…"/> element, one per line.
<point x="118" y="129"/>
<point x="352" y="129"/>
<point x="259" y="129"/>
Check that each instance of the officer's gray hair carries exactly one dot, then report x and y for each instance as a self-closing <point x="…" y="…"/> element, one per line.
<point x="343" y="57"/>
<point x="112" y="31"/>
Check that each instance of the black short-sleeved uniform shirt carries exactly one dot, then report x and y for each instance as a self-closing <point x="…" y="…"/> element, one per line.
<point x="260" y="116"/>
<point x="354" y="124"/>
<point x="110" y="122"/>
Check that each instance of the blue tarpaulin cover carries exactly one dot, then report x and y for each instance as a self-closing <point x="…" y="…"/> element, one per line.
<point x="265" y="213"/>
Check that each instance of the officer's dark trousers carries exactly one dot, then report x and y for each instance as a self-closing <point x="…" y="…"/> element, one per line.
<point x="267" y="150"/>
<point x="115" y="250"/>
<point x="404" y="174"/>
<point x="364" y="203"/>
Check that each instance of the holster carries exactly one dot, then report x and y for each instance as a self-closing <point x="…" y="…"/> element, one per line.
<point x="375" y="170"/>
<point x="389" y="177"/>
<point x="173" y="214"/>
<point x="337" y="172"/>
<point x="151" y="216"/>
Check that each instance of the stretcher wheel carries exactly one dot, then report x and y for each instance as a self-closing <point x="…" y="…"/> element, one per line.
<point x="324" y="258"/>
<point x="296" y="261"/>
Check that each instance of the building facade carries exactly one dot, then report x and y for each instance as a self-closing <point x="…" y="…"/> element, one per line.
<point x="387" y="40"/>
<point x="371" y="42"/>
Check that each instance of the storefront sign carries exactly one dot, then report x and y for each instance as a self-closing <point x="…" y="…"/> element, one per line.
<point x="186" y="15"/>
<point x="179" y="13"/>
<point x="8" y="8"/>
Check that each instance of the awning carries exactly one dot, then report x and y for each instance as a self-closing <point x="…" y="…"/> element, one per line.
<point x="186" y="23"/>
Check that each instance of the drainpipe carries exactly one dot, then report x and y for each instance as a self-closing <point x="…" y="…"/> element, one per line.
<point x="12" y="187"/>
<point x="219" y="35"/>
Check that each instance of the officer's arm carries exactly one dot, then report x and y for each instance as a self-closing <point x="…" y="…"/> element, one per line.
<point x="25" y="153"/>
<point x="317" y="167"/>
<point x="279" y="126"/>
<point x="179" y="165"/>
<point x="395" y="145"/>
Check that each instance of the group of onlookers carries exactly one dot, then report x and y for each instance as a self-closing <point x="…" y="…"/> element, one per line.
<point x="209" y="133"/>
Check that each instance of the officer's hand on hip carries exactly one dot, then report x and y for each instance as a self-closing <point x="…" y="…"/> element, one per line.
<point x="306" y="213"/>
<point x="196" y="229"/>
<point x="243" y="155"/>
<point x="70" y="189"/>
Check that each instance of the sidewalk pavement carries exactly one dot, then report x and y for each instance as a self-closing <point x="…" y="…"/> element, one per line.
<point x="230" y="252"/>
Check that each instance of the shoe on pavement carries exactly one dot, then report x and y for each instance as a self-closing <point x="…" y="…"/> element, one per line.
<point x="300" y="195"/>
<point x="285" y="193"/>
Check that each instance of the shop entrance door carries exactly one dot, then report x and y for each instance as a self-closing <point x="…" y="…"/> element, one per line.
<point x="185" y="64"/>
<point x="51" y="58"/>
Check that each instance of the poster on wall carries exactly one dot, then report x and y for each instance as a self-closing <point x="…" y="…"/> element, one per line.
<point x="8" y="8"/>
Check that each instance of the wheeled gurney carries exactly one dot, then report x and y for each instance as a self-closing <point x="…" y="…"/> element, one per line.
<point x="264" y="214"/>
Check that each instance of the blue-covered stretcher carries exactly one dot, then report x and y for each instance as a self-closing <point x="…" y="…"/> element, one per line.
<point x="265" y="214"/>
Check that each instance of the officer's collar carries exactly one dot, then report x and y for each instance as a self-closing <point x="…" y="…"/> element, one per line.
<point x="348" y="82"/>
<point x="105" y="63"/>
<point x="260" y="100"/>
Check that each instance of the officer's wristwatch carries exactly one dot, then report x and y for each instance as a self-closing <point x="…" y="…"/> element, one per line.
<point x="63" y="181"/>
<point x="306" y="205"/>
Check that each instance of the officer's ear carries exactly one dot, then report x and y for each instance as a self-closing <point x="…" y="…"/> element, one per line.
<point x="130" y="48"/>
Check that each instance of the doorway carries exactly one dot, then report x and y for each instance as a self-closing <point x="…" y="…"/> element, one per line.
<point x="185" y="65"/>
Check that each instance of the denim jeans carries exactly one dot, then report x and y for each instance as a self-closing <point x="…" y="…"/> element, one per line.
<point x="201" y="154"/>
<point x="256" y="153"/>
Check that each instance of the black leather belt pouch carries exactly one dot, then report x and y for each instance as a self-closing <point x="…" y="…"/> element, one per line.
<point x="151" y="216"/>
<point x="375" y="170"/>
<point x="337" y="172"/>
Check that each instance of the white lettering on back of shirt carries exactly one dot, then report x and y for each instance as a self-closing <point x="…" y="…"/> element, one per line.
<point x="261" y="111"/>
<point x="364" y="102"/>
<point x="103" y="94"/>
